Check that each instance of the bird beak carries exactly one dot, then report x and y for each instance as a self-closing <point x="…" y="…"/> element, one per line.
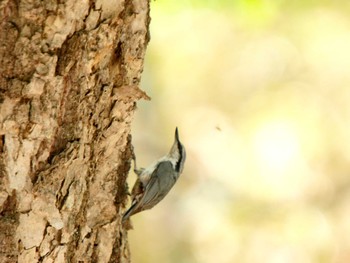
<point x="176" y="135"/>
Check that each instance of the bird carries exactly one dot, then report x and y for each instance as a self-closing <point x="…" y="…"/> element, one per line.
<point x="155" y="182"/>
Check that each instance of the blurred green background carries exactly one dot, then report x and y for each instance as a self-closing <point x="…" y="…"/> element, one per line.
<point x="260" y="91"/>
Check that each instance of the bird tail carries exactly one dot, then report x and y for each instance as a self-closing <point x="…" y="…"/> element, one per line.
<point x="129" y="212"/>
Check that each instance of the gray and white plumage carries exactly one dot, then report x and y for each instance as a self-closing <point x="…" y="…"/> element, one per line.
<point x="154" y="182"/>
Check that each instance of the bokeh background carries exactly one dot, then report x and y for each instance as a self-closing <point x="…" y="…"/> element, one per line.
<point x="260" y="91"/>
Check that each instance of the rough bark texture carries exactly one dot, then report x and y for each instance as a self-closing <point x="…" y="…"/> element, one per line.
<point x="69" y="76"/>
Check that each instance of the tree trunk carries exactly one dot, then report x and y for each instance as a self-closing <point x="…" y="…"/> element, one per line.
<point x="69" y="76"/>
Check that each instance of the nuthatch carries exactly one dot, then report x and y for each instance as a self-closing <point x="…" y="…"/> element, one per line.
<point x="154" y="182"/>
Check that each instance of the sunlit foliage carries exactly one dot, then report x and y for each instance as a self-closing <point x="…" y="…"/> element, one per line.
<point x="260" y="91"/>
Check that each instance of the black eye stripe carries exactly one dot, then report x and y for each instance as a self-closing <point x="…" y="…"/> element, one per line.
<point x="177" y="166"/>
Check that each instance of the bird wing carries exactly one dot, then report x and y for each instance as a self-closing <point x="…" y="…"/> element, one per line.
<point x="146" y="196"/>
<point x="162" y="180"/>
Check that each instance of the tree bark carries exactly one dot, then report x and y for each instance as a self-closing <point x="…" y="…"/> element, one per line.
<point x="69" y="77"/>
